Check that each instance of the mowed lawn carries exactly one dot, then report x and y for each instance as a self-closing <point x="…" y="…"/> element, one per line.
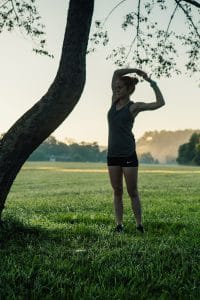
<point x="58" y="240"/>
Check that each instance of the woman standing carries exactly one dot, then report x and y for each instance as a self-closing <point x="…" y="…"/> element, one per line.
<point x="122" y="158"/>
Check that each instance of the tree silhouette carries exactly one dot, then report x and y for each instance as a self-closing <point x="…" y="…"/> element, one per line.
<point x="49" y="112"/>
<point x="189" y="153"/>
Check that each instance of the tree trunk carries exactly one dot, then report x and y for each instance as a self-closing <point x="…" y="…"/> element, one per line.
<point x="48" y="113"/>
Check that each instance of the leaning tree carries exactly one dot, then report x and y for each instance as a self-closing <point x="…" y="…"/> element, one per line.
<point x="151" y="46"/>
<point x="63" y="94"/>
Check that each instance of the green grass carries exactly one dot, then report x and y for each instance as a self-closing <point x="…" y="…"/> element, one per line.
<point x="58" y="240"/>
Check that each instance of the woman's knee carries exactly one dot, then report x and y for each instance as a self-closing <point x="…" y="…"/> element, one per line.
<point x="133" y="192"/>
<point x="118" y="191"/>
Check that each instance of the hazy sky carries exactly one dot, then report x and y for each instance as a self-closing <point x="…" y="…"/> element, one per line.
<point x="25" y="77"/>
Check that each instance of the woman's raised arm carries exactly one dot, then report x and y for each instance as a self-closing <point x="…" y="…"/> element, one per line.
<point x="121" y="72"/>
<point x="142" y="106"/>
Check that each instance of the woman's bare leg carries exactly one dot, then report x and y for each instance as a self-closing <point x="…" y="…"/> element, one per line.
<point x="131" y="178"/>
<point x="116" y="179"/>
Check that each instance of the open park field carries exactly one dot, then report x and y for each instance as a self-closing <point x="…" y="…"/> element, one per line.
<point x="58" y="240"/>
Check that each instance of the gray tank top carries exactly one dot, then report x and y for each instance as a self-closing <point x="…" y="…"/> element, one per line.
<point x="121" y="141"/>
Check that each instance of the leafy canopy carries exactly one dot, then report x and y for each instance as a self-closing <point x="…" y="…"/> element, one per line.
<point x="24" y="15"/>
<point x="154" y="43"/>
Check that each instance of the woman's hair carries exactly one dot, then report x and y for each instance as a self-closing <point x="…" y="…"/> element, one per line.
<point x="130" y="82"/>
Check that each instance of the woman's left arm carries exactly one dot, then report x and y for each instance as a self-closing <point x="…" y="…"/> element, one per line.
<point x="142" y="106"/>
<point x="159" y="97"/>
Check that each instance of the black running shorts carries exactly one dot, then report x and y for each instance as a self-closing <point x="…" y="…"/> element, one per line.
<point x="127" y="161"/>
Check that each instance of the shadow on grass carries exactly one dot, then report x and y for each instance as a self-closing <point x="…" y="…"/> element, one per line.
<point x="15" y="232"/>
<point x="87" y="219"/>
<point x="168" y="228"/>
<point x="69" y="229"/>
<point x="161" y="228"/>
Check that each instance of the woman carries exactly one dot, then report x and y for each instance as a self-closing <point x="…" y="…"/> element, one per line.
<point x="122" y="158"/>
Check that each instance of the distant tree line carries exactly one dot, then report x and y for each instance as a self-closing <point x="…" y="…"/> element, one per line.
<point x="147" y="158"/>
<point x="189" y="153"/>
<point x="53" y="150"/>
<point x="163" y="145"/>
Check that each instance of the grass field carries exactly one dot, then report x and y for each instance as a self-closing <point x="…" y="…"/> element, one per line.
<point x="58" y="240"/>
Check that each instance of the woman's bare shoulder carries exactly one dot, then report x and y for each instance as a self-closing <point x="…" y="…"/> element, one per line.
<point x="134" y="108"/>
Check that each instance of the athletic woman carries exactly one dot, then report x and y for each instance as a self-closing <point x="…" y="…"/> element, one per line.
<point x="122" y="158"/>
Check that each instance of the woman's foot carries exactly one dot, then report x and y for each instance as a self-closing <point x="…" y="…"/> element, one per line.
<point x="140" y="228"/>
<point x="2" y="224"/>
<point x="119" y="228"/>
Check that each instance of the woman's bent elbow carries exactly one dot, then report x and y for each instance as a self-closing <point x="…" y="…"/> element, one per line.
<point x="162" y="103"/>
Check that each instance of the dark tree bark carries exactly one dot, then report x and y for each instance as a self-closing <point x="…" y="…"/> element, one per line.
<point x="48" y="113"/>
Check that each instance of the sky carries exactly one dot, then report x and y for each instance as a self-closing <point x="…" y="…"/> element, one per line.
<point x="25" y="77"/>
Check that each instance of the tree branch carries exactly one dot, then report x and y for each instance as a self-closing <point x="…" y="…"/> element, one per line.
<point x="171" y="18"/>
<point x="4" y="4"/>
<point x="138" y="23"/>
<point x="143" y="46"/>
<point x="16" y="15"/>
<point x="195" y="3"/>
<point x="188" y="17"/>
<point x="130" y="48"/>
<point x="110" y="13"/>
<point x="18" y="19"/>
<point x="138" y="17"/>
